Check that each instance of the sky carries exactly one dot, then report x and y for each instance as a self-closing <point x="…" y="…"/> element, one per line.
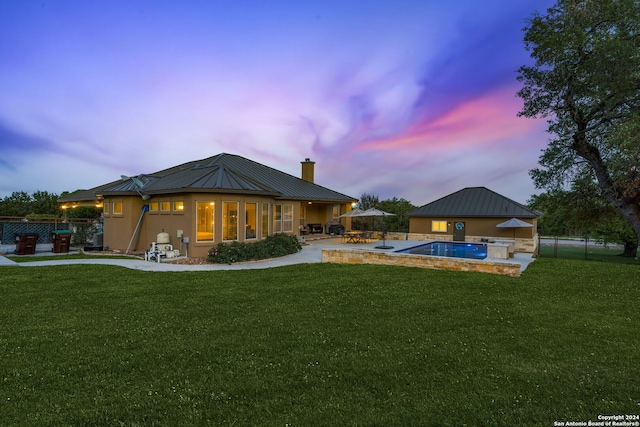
<point x="414" y="99"/>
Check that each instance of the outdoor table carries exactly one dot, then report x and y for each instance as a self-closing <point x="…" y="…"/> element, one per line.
<point x="353" y="236"/>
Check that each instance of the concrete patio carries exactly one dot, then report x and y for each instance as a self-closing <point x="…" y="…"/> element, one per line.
<point x="312" y="252"/>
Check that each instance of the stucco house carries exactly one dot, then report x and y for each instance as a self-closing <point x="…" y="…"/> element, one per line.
<point x="473" y="214"/>
<point x="222" y="198"/>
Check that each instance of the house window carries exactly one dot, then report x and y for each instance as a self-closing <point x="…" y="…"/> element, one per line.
<point x="165" y="206"/>
<point x="287" y="218"/>
<point x="251" y="221"/>
<point x="229" y="220"/>
<point x="265" y="220"/>
<point x="178" y="207"/>
<point x="205" y="221"/>
<point x="153" y="207"/>
<point x="277" y="218"/>
<point x="439" y="226"/>
<point x="117" y="208"/>
<point x="283" y="218"/>
<point x="336" y="211"/>
<point x="105" y="209"/>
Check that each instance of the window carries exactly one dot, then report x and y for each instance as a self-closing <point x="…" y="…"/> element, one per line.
<point x="178" y="207"/>
<point x="336" y="211"/>
<point x="283" y="218"/>
<point x="439" y="226"/>
<point x="229" y="220"/>
<point x="117" y="208"/>
<point x="105" y="208"/>
<point x="153" y="207"/>
<point x="277" y="218"/>
<point x="165" y="206"/>
<point x="287" y="218"/>
<point x="205" y="221"/>
<point x="265" y="220"/>
<point x="251" y="220"/>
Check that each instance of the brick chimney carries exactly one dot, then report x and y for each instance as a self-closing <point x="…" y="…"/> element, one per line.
<point x="307" y="170"/>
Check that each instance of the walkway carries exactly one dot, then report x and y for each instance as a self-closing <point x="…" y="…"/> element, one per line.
<point x="310" y="253"/>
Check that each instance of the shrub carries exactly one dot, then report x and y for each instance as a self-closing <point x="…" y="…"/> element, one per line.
<point x="274" y="246"/>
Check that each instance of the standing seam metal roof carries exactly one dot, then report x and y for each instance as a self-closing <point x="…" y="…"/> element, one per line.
<point x="474" y="202"/>
<point x="225" y="173"/>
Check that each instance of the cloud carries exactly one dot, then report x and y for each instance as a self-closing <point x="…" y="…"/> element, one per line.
<point x="15" y="144"/>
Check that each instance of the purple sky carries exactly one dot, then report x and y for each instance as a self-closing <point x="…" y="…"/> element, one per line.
<point x="412" y="99"/>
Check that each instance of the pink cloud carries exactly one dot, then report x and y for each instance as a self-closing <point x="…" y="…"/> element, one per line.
<point x="483" y="120"/>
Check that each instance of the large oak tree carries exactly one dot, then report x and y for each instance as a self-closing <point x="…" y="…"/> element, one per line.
<point x="586" y="83"/>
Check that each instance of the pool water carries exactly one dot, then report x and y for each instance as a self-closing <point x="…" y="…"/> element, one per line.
<point x="449" y="249"/>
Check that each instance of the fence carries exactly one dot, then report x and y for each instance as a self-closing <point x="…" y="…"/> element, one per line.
<point x="82" y="228"/>
<point x="576" y="248"/>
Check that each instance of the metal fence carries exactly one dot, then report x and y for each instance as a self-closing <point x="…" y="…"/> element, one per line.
<point x="574" y="247"/>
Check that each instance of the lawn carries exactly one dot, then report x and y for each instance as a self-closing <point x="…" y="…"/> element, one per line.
<point x="603" y="254"/>
<point x="319" y="344"/>
<point x="34" y="258"/>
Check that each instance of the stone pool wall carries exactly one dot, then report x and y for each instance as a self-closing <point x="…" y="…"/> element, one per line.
<point x="358" y="256"/>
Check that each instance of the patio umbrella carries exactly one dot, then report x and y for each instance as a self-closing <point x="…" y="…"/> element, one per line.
<point x="373" y="212"/>
<point x="514" y="223"/>
<point x="377" y="212"/>
<point x="351" y="213"/>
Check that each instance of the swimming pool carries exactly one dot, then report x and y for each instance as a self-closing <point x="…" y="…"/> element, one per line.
<point x="449" y="249"/>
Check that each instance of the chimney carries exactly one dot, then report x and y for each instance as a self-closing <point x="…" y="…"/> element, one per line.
<point x="307" y="170"/>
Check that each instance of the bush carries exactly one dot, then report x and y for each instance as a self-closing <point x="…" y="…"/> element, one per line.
<point x="85" y="222"/>
<point x="274" y="246"/>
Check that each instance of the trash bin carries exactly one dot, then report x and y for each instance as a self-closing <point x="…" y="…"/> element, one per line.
<point x="26" y="243"/>
<point x="61" y="241"/>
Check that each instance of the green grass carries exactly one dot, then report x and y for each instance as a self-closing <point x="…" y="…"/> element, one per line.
<point x="610" y="254"/>
<point x="33" y="258"/>
<point x="319" y="344"/>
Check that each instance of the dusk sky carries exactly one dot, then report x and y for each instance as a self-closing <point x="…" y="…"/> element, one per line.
<point x="405" y="98"/>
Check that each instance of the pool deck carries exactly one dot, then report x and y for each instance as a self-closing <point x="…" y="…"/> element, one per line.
<point x="368" y="254"/>
<point x="312" y="252"/>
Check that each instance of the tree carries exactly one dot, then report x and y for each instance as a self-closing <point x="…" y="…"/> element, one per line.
<point x="553" y="221"/>
<point x="398" y="207"/>
<point x="22" y="204"/>
<point x="581" y="210"/>
<point x="368" y="201"/>
<point x="586" y="83"/>
<point x="18" y="204"/>
<point x="45" y="203"/>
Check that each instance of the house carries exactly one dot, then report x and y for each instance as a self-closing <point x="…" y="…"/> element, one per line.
<point x="222" y="198"/>
<point x="473" y="214"/>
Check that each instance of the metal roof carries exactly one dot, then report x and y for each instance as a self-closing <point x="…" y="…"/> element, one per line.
<point x="474" y="202"/>
<point x="223" y="173"/>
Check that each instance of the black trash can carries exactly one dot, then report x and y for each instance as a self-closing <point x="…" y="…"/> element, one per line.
<point x="26" y="243"/>
<point x="61" y="241"/>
